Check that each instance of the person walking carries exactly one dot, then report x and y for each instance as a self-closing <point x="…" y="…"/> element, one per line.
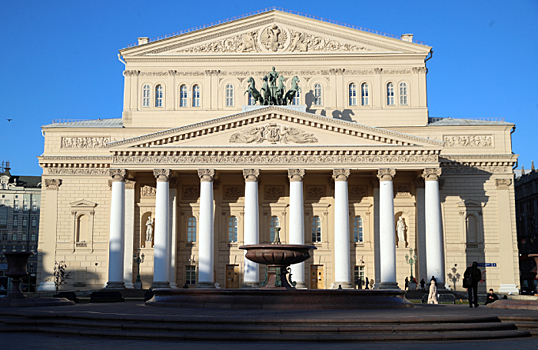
<point x="422" y="283"/>
<point x="432" y="297"/>
<point x="406" y="283"/>
<point x="474" y="275"/>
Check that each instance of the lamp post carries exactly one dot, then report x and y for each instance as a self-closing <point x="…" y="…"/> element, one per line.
<point x="138" y="259"/>
<point x="411" y="259"/>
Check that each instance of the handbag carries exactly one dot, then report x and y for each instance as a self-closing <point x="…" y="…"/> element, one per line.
<point x="467" y="282"/>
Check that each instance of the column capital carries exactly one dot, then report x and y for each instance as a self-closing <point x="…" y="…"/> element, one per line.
<point x="341" y="174"/>
<point x="386" y="174"/>
<point x="431" y="174"/>
<point x="162" y="175"/>
<point x="118" y="175"/>
<point x="251" y="175"/>
<point x="130" y="184"/>
<point x="206" y="175"/>
<point x="52" y="184"/>
<point x="503" y="184"/>
<point x="296" y="174"/>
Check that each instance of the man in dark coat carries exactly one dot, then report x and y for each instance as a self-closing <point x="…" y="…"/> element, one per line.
<point x="492" y="297"/>
<point x="474" y="274"/>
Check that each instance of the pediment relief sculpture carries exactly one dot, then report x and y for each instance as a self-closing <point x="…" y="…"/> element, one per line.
<point x="273" y="133"/>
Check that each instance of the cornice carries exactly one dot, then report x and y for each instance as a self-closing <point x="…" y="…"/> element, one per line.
<point x="237" y="57"/>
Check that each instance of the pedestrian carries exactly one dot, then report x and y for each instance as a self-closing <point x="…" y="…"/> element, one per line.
<point x="432" y="297"/>
<point x="406" y="283"/>
<point x="492" y="297"/>
<point x="367" y="283"/>
<point x="473" y="275"/>
<point x="433" y="279"/>
<point x="422" y="283"/>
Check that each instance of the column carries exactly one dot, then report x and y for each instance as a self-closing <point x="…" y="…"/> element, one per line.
<point x="342" y="259"/>
<point x="117" y="230"/>
<point x="173" y="236"/>
<point x="421" y="230"/>
<point x="161" y="234"/>
<point x="128" y="250"/>
<point x="296" y="230"/>
<point x="434" y="233"/>
<point x="251" y="229"/>
<point x="387" y="233"/>
<point x="206" y="278"/>
<point x="47" y="237"/>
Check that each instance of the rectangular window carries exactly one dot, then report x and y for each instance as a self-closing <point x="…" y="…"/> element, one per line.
<point x="24" y="237"/>
<point x="33" y="237"/>
<point x="316" y="229"/>
<point x="16" y="206"/>
<point x="15" y="220"/>
<point x="24" y="222"/>
<point x="190" y="274"/>
<point x="34" y="222"/>
<point x="358" y="276"/>
<point x="25" y="205"/>
<point x="34" y="207"/>
<point x="3" y="217"/>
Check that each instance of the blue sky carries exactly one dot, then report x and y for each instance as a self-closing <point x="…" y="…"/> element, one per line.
<point x="59" y="58"/>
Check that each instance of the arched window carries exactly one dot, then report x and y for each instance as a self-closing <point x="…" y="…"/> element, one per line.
<point x="471" y="228"/>
<point x="158" y="96"/>
<point x="196" y="96"/>
<point x="365" y="95"/>
<point x="390" y="94"/>
<point x="191" y="229"/>
<point x="229" y="95"/>
<point x="297" y="98"/>
<point x="317" y="95"/>
<point x="251" y="101"/>
<point x="232" y="229"/>
<point x="273" y="223"/>
<point x="403" y="94"/>
<point x="146" y="91"/>
<point x="316" y="229"/>
<point x="183" y="96"/>
<point x="352" y="95"/>
<point x="82" y="228"/>
<point x="357" y="229"/>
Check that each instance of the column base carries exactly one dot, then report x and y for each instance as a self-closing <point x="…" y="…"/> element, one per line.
<point x="344" y="285"/>
<point x="300" y="285"/>
<point x="250" y="285"/>
<point x="205" y="285"/>
<point x="160" y="284"/>
<point x="129" y="285"/>
<point x="114" y="285"/>
<point x="46" y="287"/>
<point x="174" y="286"/>
<point x="508" y="288"/>
<point x="387" y="285"/>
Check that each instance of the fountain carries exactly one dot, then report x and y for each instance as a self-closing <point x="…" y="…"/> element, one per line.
<point x="16" y="269"/>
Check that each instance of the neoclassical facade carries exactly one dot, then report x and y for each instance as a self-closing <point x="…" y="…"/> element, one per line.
<point x="196" y="167"/>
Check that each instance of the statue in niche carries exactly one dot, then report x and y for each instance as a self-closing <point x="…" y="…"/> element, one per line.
<point x="149" y="230"/>
<point x="400" y="229"/>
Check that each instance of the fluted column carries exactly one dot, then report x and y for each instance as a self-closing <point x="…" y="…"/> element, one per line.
<point x="387" y="234"/>
<point x="128" y="241"/>
<point x="117" y="230"/>
<point x="435" y="264"/>
<point x="206" y="278"/>
<point x="296" y="230"/>
<point x="342" y="259"/>
<point x="251" y="227"/>
<point x="161" y="234"/>
<point x="172" y="229"/>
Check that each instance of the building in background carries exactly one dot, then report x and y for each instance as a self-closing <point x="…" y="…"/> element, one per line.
<point x="20" y="202"/>
<point x="196" y="167"/>
<point x="526" y="185"/>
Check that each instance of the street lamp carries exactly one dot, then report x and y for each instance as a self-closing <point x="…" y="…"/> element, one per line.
<point x="138" y="259"/>
<point x="411" y="260"/>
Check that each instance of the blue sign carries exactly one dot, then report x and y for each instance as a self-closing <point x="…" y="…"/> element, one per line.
<point x="487" y="264"/>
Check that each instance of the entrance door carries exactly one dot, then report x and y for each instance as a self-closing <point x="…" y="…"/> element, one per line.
<point x="316" y="277"/>
<point x="232" y="276"/>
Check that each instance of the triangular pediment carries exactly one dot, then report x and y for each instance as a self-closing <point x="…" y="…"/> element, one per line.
<point x="274" y="127"/>
<point x="275" y="32"/>
<point x="83" y="204"/>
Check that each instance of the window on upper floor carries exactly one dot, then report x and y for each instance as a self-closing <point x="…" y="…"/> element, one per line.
<point x="273" y="224"/>
<point x="183" y="96"/>
<point x="229" y="95"/>
<point x="232" y="229"/>
<point x="390" y="94"/>
<point x="15" y="220"/>
<point x="318" y="95"/>
<point x="24" y="222"/>
<point x="251" y="101"/>
<point x="158" y="96"/>
<point x="34" y="222"/>
<point x="196" y="96"/>
<point x="365" y="94"/>
<point x="297" y="98"/>
<point x="352" y="94"/>
<point x="25" y="205"/>
<point x="16" y="205"/>
<point x="403" y="94"/>
<point x="3" y="217"/>
<point x="191" y="229"/>
<point x="357" y="229"/>
<point x="316" y="229"/>
<point x="146" y="94"/>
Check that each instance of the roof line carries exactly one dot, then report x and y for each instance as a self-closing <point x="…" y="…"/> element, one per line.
<point x="269" y="9"/>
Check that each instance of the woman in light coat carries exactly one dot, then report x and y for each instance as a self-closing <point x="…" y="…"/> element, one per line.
<point x="432" y="298"/>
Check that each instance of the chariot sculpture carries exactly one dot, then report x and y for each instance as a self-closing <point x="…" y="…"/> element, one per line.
<point x="273" y="91"/>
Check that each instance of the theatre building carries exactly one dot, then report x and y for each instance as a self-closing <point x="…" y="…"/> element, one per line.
<point x="211" y="152"/>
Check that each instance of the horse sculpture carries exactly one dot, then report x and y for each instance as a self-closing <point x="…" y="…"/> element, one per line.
<point x="290" y="95"/>
<point x="266" y="93"/>
<point x="253" y="92"/>
<point x="280" y="91"/>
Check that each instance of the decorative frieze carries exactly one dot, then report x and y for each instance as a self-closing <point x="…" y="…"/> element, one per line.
<point x="503" y="184"/>
<point x="315" y="192"/>
<point x="233" y="192"/>
<point x="78" y="171"/>
<point x="341" y="174"/>
<point x="272" y="133"/>
<point x="190" y="192"/>
<point x="155" y="74"/>
<point x="148" y="191"/>
<point x="206" y="174"/>
<point x="359" y="72"/>
<point x="52" y="184"/>
<point x="468" y="141"/>
<point x="273" y="192"/>
<point x="162" y="175"/>
<point x="251" y="175"/>
<point x="357" y="192"/>
<point x="129" y="73"/>
<point x="386" y="174"/>
<point x="303" y="42"/>
<point x="419" y="70"/>
<point x="84" y="142"/>
<point x="296" y="174"/>
<point x="431" y="174"/>
<point x="469" y="168"/>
